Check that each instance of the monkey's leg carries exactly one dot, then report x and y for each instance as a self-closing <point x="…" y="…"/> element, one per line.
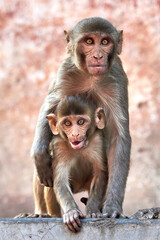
<point x="40" y="205"/>
<point x="38" y="188"/>
<point x="97" y="192"/>
<point x="53" y="207"/>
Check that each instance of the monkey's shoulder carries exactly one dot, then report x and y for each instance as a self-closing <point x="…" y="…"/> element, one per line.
<point x="67" y="67"/>
<point x="117" y="72"/>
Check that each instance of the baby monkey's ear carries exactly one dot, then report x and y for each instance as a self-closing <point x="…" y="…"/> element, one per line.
<point x="100" y="118"/>
<point x="53" y="123"/>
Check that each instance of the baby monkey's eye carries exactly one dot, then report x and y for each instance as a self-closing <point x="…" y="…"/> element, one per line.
<point x="89" y="41"/>
<point x="81" y="122"/>
<point x="67" y="123"/>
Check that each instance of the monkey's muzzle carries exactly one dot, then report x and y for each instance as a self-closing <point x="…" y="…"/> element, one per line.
<point x="78" y="144"/>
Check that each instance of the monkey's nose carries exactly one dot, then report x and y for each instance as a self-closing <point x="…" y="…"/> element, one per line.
<point x="98" y="57"/>
<point x="75" y="134"/>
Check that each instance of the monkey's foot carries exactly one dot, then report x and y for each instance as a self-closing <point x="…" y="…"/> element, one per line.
<point x="72" y="220"/>
<point x="151" y="213"/>
<point x="32" y="215"/>
<point x="109" y="212"/>
<point x="95" y="214"/>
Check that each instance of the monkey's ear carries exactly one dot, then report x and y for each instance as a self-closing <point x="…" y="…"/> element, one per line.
<point x="69" y="44"/>
<point x="53" y="123"/>
<point x="100" y="118"/>
<point x="120" y="41"/>
<point x="67" y="35"/>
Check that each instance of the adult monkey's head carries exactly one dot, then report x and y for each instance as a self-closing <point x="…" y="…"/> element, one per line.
<point x="93" y="44"/>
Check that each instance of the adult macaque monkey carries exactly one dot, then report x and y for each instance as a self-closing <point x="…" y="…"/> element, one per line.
<point x="94" y="71"/>
<point x="79" y="162"/>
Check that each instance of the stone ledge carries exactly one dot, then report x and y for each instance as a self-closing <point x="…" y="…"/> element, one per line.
<point x="97" y="229"/>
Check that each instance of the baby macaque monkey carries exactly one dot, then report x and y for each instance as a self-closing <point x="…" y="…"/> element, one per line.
<point x="79" y="162"/>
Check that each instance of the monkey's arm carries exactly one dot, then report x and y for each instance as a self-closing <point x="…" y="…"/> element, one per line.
<point x="65" y="197"/>
<point x="119" y="147"/>
<point x="40" y="146"/>
<point x="118" y="161"/>
<point x="118" y="173"/>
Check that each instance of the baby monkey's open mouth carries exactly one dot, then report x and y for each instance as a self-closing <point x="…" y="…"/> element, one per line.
<point x="78" y="144"/>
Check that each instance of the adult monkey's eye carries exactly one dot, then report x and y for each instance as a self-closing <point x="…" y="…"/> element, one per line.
<point x="81" y="122"/>
<point x="104" y="41"/>
<point x="67" y="123"/>
<point x="89" y="41"/>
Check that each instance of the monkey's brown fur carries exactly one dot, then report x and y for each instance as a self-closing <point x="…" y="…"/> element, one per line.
<point x="94" y="71"/>
<point x="75" y="169"/>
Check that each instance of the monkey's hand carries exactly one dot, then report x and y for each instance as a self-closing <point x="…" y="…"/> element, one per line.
<point x="93" y="212"/>
<point x="151" y="213"/>
<point x="72" y="220"/>
<point x="110" y="211"/>
<point x="43" y="164"/>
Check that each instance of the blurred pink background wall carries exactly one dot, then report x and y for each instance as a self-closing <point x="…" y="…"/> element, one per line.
<point x="32" y="47"/>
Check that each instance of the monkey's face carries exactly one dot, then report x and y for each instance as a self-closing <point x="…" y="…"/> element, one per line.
<point x="75" y="128"/>
<point x="76" y="121"/>
<point x="93" y="44"/>
<point x="96" y="51"/>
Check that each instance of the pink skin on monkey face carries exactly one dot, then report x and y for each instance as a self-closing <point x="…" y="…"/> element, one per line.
<point x="75" y="128"/>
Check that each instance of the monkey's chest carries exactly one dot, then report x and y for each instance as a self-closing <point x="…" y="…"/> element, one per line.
<point x="80" y="175"/>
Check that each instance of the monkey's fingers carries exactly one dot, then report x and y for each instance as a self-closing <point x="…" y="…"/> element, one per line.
<point x="45" y="172"/>
<point x="123" y="216"/>
<point x="45" y="216"/>
<point x="151" y="213"/>
<point x="75" y="221"/>
<point x="94" y="215"/>
<point x="48" y="182"/>
<point x="36" y="215"/>
<point x="114" y="214"/>
<point x="68" y="223"/>
<point x="81" y="214"/>
<point x="22" y="215"/>
<point x="72" y="221"/>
